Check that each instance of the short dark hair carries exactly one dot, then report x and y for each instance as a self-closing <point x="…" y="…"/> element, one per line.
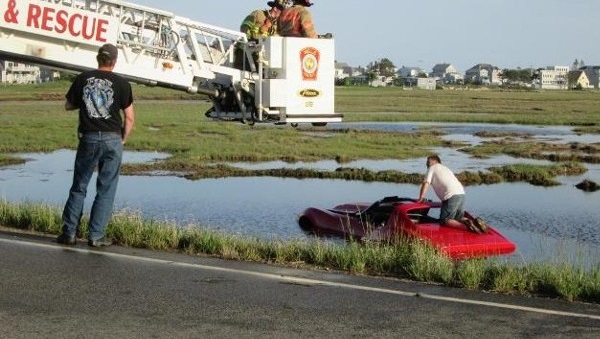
<point x="435" y="157"/>
<point x="104" y="60"/>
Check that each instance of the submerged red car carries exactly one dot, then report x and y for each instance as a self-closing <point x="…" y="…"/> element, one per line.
<point x="394" y="218"/>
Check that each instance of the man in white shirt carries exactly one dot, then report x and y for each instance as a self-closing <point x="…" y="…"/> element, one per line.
<point x="448" y="189"/>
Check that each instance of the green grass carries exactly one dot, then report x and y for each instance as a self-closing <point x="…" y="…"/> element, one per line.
<point x="570" y="108"/>
<point x="577" y="108"/>
<point x="410" y="260"/>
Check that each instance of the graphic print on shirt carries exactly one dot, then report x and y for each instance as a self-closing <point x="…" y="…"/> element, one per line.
<point x="98" y="96"/>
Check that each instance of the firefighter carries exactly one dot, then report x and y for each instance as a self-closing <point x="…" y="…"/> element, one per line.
<point x="297" y="21"/>
<point x="262" y="23"/>
<point x="258" y="24"/>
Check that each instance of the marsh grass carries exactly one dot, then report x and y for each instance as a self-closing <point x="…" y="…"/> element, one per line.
<point x="178" y="127"/>
<point x="538" y="175"/>
<point x="541" y="175"/>
<point x="493" y="106"/>
<point x="411" y="260"/>
<point x="6" y="160"/>
<point x="577" y="108"/>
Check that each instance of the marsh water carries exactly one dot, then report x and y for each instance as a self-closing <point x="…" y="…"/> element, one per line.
<point x="558" y="223"/>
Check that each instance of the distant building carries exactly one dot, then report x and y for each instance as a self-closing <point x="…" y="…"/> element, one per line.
<point x="483" y="74"/>
<point x="446" y="73"/>
<point x="342" y="70"/>
<point x="48" y="74"/>
<point x="381" y="81"/>
<point x="410" y="72"/>
<point x="578" y="79"/>
<point x="19" y="73"/>
<point x="427" y="83"/>
<point x="593" y="75"/>
<point x="554" y="77"/>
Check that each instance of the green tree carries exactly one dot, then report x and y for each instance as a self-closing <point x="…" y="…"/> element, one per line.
<point x="384" y="67"/>
<point x="516" y="75"/>
<point x="371" y="76"/>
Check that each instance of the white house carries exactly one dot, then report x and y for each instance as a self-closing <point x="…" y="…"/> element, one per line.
<point x="342" y="70"/>
<point x="426" y="83"/>
<point x="18" y="73"/>
<point x="410" y="72"/>
<point x="381" y="81"/>
<point x="554" y="77"/>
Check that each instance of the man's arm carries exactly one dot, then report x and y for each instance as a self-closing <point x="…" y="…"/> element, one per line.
<point x="423" y="192"/>
<point x="129" y="122"/>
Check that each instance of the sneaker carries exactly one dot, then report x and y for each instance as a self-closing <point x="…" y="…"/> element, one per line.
<point x="470" y="225"/>
<point x="66" y="239"/>
<point x="102" y="242"/>
<point x="481" y="225"/>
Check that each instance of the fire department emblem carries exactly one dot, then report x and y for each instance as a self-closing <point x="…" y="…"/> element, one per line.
<point x="309" y="58"/>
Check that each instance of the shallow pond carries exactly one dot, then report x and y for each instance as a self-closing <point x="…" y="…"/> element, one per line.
<point x="558" y="223"/>
<point x="466" y="131"/>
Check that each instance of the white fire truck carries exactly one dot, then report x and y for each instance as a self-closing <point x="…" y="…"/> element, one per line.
<point x="276" y="80"/>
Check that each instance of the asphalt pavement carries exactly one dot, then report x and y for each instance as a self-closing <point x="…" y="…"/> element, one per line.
<point x="49" y="290"/>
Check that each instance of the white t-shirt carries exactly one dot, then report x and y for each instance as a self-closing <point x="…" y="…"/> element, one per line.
<point x="444" y="182"/>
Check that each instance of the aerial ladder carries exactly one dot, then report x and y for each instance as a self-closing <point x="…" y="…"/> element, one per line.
<point x="277" y="80"/>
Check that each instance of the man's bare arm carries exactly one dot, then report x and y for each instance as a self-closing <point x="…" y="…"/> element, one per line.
<point x="129" y="122"/>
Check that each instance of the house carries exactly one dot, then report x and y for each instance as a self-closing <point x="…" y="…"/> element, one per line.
<point x="593" y="75"/>
<point x="427" y="83"/>
<point x="578" y="80"/>
<point x="19" y="73"/>
<point x="410" y="72"/>
<point x="554" y="77"/>
<point x="342" y="70"/>
<point x="381" y="81"/>
<point x="446" y="73"/>
<point x="49" y="74"/>
<point x="483" y="74"/>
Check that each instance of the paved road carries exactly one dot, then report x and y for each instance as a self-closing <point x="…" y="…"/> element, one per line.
<point x="51" y="291"/>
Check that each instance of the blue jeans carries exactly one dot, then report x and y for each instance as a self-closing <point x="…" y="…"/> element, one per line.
<point x="102" y="150"/>
<point x="452" y="208"/>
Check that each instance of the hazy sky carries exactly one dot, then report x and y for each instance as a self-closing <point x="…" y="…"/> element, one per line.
<point x="421" y="33"/>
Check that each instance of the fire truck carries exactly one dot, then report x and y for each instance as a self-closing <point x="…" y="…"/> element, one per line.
<point x="281" y="80"/>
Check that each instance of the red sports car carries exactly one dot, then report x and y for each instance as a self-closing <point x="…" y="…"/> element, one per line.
<point x="394" y="218"/>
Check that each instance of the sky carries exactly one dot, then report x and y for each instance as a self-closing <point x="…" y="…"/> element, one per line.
<point x="422" y="33"/>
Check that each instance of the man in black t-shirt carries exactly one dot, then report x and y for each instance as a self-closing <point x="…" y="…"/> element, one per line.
<point x="99" y="95"/>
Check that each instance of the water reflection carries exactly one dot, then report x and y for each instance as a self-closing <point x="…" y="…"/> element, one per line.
<point x="542" y="221"/>
<point x="465" y="131"/>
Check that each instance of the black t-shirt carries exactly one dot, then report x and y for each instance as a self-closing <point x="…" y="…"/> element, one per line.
<point x="100" y="95"/>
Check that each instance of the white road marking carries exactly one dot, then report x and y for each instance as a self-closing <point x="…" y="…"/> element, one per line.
<point x="314" y="282"/>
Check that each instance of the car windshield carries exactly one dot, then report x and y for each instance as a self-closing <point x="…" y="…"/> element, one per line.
<point x="379" y="212"/>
